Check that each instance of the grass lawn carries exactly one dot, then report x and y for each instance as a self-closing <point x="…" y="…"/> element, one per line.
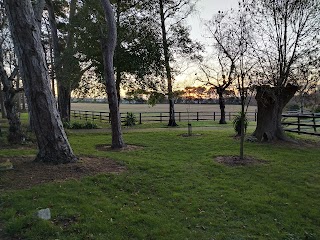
<point x="174" y="189"/>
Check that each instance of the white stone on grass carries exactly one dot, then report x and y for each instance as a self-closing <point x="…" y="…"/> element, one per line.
<point x="44" y="214"/>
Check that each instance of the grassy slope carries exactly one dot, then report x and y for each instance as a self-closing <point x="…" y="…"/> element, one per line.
<point x="174" y="190"/>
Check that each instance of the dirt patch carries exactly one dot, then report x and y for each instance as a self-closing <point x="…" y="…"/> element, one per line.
<point x="234" y="161"/>
<point x="26" y="173"/>
<point x="128" y="148"/>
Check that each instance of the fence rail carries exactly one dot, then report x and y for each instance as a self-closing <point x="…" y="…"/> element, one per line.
<point x="301" y="123"/>
<point x="159" y="116"/>
<point x="292" y="122"/>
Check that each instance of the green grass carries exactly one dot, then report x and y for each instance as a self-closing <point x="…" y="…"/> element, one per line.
<point x="173" y="189"/>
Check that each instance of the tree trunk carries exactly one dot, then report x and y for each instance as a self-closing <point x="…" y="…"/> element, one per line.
<point x="172" y="120"/>
<point x="3" y="110"/>
<point x="64" y="103"/>
<point x="52" y="141"/>
<point x="15" y="135"/>
<point x="108" y="47"/>
<point x="118" y="82"/>
<point x="271" y="101"/>
<point x="117" y="58"/>
<point x="63" y="82"/>
<point x="24" y="109"/>
<point x="222" y="105"/>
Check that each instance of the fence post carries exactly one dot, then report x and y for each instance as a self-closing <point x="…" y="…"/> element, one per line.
<point x="100" y="116"/>
<point x="255" y="116"/>
<point x="140" y="118"/>
<point x="214" y="116"/>
<point x="314" y="123"/>
<point x="179" y="116"/>
<point x="197" y="116"/>
<point x="298" y="124"/>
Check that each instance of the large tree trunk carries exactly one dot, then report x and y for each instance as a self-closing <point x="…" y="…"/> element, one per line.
<point x="172" y="120"/>
<point x="271" y="101"/>
<point x="52" y="141"/>
<point x="222" y="105"/>
<point x="108" y="47"/>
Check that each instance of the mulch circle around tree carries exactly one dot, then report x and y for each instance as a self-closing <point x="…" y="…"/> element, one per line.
<point x="234" y="161"/>
<point x="128" y="148"/>
<point x="26" y="173"/>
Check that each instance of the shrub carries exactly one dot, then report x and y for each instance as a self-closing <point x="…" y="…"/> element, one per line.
<point x="90" y="125"/>
<point x="317" y="109"/>
<point x="130" y="119"/>
<point x="293" y="107"/>
<point x="237" y="123"/>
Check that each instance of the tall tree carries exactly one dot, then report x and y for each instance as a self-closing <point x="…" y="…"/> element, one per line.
<point x="172" y="15"/>
<point x="138" y="59"/>
<point x="67" y="68"/>
<point x="52" y="141"/>
<point x="286" y="34"/>
<point x="108" y="47"/>
<point x="231" y="31"/>
<point x="172" y="120"/>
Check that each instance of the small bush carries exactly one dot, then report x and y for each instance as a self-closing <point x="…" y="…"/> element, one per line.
<point x="237" y="123"/>
<point x="130" y="119"/>
<point x="317" y="109"/>
<point x="293" y="107"/>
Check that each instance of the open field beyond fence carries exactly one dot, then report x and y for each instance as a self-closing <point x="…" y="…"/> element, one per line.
<point x="136" y="108"/>
<point x="158" y="113"/>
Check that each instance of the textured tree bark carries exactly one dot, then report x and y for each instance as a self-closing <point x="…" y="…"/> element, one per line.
<point x="52" y="141"/>
<point x="172" y="120"/>
<point x="108" y="48"/>
<point x="271" y="101"/>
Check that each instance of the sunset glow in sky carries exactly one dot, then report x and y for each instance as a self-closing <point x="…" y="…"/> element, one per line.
<point x="206" y="9"/>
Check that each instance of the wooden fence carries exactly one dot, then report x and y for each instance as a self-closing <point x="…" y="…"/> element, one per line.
<point x="159" y="116"/>
<point x="301" y="123"/>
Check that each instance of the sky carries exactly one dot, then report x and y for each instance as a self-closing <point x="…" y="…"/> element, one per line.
<point x="206" y="9"/>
